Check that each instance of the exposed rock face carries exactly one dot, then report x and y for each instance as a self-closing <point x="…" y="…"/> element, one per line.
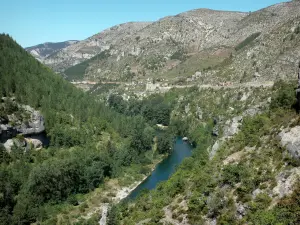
<point x="291" y="140"/>
<point x="35" y="124"/>
<point x="286" y="181"/>
<point x="28" y="122"/>
<point x="145" y="48"/>
<point x="42" y="51"/>
<point x="92" y="46"/>
<point x="14" y="142"/>
<point x="241" y="211"/>
<point x="232" y="126"/>
<point x="215" y="148"/>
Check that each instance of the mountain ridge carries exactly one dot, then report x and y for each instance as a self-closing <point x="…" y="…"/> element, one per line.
<point x="41" y="51"/>
<point x="169" y="48"/>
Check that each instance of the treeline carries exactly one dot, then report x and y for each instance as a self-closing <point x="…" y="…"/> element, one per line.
<point x="89" y="141"/>
<point x="154" y="109"/>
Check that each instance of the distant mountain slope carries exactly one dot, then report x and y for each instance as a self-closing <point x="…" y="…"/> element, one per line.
<point x="41" y="51"/>
<point x="92" y="46"/>
<point x="175" y="48"/>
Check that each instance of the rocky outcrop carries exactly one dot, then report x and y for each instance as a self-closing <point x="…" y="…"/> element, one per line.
<point x="215" y="148"/>
<point x="8" y="145"/>
<point x="19" y="143"/>
<point x="23" y="120"/>
<point x="286" y="181"/>
<point x="232" y="126"/>
<point x="41" y="51"/>
<point x="96" y="44"/>
<point x="290" y="139"/>
<point x="35" y="125"/>
<point x="35" y="143"/>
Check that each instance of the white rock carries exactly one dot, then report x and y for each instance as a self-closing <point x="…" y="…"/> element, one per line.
<point x="8" y="145"/>
<point x="291" y="140"/>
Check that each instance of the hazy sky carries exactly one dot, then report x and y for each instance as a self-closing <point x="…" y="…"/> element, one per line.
<point x="32" y="22"/>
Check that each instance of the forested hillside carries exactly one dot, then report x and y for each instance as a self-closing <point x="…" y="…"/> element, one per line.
<point x="240" y="174"/>
<point x="89" y="141"/>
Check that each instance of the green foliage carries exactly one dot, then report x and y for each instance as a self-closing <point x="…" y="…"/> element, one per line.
<point x="153" y="109"/>
<point x="112" y="218"/>
<point x="253" y="129"/>
<point x="89" y="141"/>
<point x="179" y="55"/>
<point x="233" y="174"/>
<point x="78" y="71"/>
<point x="4" y="156"/>
<point x="164" y="143"/>
<point x="284" y="97"/>
<point x="287" y="211"/>
<point x="247" y="41"/>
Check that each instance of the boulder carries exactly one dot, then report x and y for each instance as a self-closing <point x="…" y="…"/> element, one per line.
<point x="291" y="140"/>
<point x="8" y="145"/>
<point x="37" y="144"/>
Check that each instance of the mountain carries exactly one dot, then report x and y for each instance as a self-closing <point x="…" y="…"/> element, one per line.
<point x="178" y="46"/>
<point x="88" y="140"/>
<point x="92" y="46"/>
<point x="42" y="51"/>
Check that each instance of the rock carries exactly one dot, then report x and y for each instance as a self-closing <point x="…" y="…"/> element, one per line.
<point x="244" y="97"/>
<point x="256" y="192"/>
<point x="37" y="144"/>
<point x="291" y="140"/>
<point x="187" y="108"/>
<point x="241" y="211"/>
<point x="234" y="158"/>
<point x="269" y="100"/>
<point x="251" y="112"/>
<point x="286" y="181"/>
<point x="199" y="113"/>
<point x="232" y="126"/>
<point x="35" y="124"/>
<point x="8" y="145"/>
<point x="214" y="149"/>
<point x="215" y="131"/>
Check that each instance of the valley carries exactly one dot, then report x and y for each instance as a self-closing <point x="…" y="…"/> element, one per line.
<point x="91" y="131"/>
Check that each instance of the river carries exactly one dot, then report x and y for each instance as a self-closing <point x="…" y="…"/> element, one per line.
<point x="165" y="168"/>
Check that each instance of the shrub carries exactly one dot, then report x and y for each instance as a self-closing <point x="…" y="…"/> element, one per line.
<point x="285" y="96"/>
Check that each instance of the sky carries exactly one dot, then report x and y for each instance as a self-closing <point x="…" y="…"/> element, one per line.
<point x="32" y="22"/>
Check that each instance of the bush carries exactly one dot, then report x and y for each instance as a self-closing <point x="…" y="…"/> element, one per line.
<point x="253" y="129"/>
<point x="285" y="96"/>
<point x="233" y="174"/>
<point x="72" y="200"/>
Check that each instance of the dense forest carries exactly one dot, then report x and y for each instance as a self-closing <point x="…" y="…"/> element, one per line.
<point x="154" y="108"/>
<point x="89" y="140"/>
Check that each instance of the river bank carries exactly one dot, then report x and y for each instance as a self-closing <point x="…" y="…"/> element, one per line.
<point x="94" y="206"/>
